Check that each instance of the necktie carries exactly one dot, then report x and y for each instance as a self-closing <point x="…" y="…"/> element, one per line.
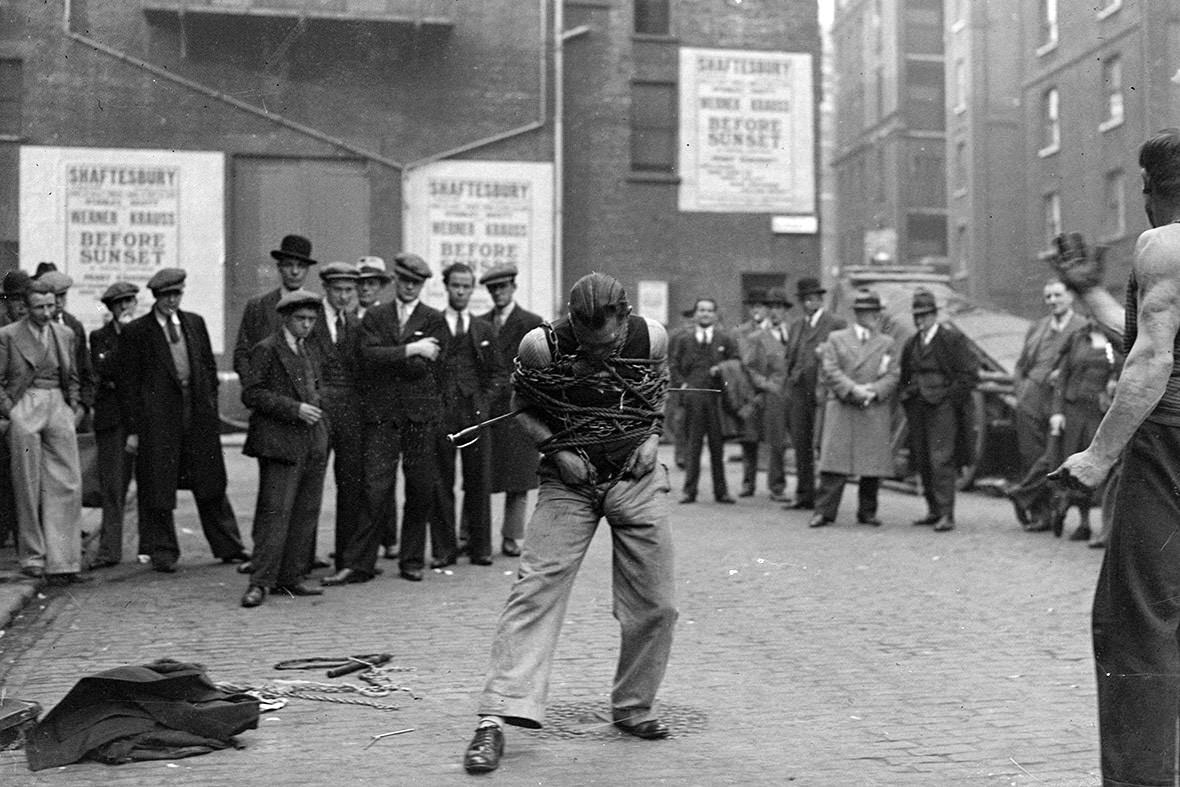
<point x="299" y="348"/>
<point x="43" y="335"/>
<point x="460" y="327"/>
<point x="499" y="319"/>
<point x="173" y="334"/>
<point x="339" y="325"/>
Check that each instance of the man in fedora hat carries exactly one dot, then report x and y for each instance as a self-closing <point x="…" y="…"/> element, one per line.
<point x="16" y="282"/>
<point x="756" y="309"/>
<point x="289" y="437"/>
<point x="400" y="382"/>
<point x="372" y="279"/>
<point x="170" y="402"/>
<point x="764" y="358"/>
<point x="859" y="372"/>
<point x="259" y="319"/>
<point x="115" y="465"/>
<point x="514" y="457"/>
<point x="939" y="371"/>
<point x="804" y="337"/>
<point x="39" y="396"/>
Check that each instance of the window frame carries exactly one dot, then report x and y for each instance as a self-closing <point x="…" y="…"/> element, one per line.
<point x="672" y="127"/>
<point x="1050" y="122"/>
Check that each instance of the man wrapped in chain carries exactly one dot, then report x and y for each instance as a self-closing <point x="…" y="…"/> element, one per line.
<point x="591" y="387"/>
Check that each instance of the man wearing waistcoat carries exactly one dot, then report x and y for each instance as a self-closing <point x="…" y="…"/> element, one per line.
<point x="938" y="374"/>
<point x="804" y="337"/>
<point x="170" y="402"/>
<point x="39" y="396"/>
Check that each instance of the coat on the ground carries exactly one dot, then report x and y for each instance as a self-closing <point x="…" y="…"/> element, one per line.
<point x="857" y="439"/>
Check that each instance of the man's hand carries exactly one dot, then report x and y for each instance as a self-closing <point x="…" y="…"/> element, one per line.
<point x="1080" y="267"/>
<point x="1056" y="423"/>
<point x="132" y="444"/>
<point x="428" y="348"/>
<point x="79" y="415"/>
<point x="310" y="414"/>
<point x="573" y="469"/>
<point x="1081" y="471"/>
<point x="643" y="459"/>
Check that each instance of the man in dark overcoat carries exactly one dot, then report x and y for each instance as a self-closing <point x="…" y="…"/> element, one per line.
<point x="402" y="398"/>
<point x="694" y="364"/>
<point x="12" y="293"/>
<point x="259" y="319"/>
<point x="472" y="375"/>
<point x="170" y="402"/>
<point x="115" y="465"/>
<point x="289" y="437"/>
<point x="804" y="337"/>
<point x="514" y="457"/>
<point x="939" y="371"/>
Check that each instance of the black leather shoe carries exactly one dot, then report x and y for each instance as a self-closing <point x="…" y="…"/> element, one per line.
<point x="443" y="562"/>
<point x="725" y="500"/>
<point x="944" y="524"/>
<point x="254" y="596"/>
<point x="319" y="562"/>
<point x="245" y="568"/>
<point x="482" y="560"/>
<point x="686" y="499"/>
<point x="389" y="553"/>
<point x="61" y="580"/>
<point x="747" y="491"/>
<point x="650" y="730"/>
<point x="1022" y="514"/>
<point x="1038" y="525"/>
<point x="510" y="548"/>
<point x="819" y="520"/>
<point x="105" y="562"/>
<point x="484" y="752"/>
<point x="237" y="557"/>
<point x="299" y="589"/>
<point x="778" y="497"/>
<point x="869" y="520"/>
<point x="164" y="566"/>
<point x="345" y="576"/>
<point x="929" y="519"/>
<point x="1081" y="534"/>
<point x="33" y="572"/>
<point x="801" y="505"/>
<point x="412" y="574"/>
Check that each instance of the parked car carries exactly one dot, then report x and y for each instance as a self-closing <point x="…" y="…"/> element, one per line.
<point x="996" y="336"/>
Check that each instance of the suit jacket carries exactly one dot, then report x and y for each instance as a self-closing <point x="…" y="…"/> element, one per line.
<point x="514" y="456"/>
<point x="277" y="383"/>
<point x="802" y="343"/>
<point x="170" y="456"/>
<point x="21" y="350"/>
<point x="491" y="371"/>
<point x="690" y="364"/>
<point x="1032" y="343"/>
<point x="395" y="387"/>
<point x="104" y="361"/>
<point x="340" y="359"/>
<point x="960" y="367"/>
<point x="259" y="320"/>
<point x="508" y="338"/>
<point x="764" y="359"/>
<point x="857" y="439"/>
<point x="81" y="359"/>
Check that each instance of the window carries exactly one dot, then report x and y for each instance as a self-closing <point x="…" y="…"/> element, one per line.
<point x="653" y="127"/>
<point x="11" y="92"/>
<point x="1048" y="26"/>
<point x="651" y="17"/>
<point x="926" y="236"/>
<point x="1052" y="208"/>
<point x="925" y="186"/>
<point x="1050" y="123"/>
<point x="1112" y="83"/>
<point x="1114" y="208"/>
<point x="925" y="96"/>
<point x="923" y="27"/>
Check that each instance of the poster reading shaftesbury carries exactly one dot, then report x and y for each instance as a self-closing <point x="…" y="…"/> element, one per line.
<point x="105" y="215"/>
<point x="746" y="132"/>
<point x="484" y="213"/>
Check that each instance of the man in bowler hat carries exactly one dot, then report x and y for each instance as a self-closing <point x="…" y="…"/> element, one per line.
<point x="804" y="337"/>
<point x="170" y="402"/>
<point x="259" y="319"/>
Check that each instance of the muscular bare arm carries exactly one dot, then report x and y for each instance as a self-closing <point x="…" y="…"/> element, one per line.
<point x="1148" y="365"/>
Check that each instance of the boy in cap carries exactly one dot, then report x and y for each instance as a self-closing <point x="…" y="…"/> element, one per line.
<point x="402" y="395"/>
<point x="289" y="438"/>
<point x="259" y="319"/>
<point x="372" y="280"/>
<point x="938" y="373"/>
<point x="115" y="465"/>
<point x="514" y="458"/>
<point x="170" y="401"/>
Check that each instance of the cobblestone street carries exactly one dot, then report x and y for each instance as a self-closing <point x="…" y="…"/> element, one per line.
<point x="845" y="655"/>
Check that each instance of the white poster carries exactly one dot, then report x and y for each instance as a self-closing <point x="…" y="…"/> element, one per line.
<point x="484" y="213"/>
<point x="653" y="300"/>
<point x="107" y="215"/>
<point x="747" y="141"/>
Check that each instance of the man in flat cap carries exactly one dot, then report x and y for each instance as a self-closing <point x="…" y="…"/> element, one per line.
<point x="170" y="403"/>
<point x="859" y="372"/>
<point x="61" y="283"/>
<point x="39" y="396"/>
<point x="764" y="358"/>
<point x="336" y="338"/>
<point x="402" y="397"/>
<point x="289" y="437"/>
<point x="514" y="457"/>
<point x="939" y="371"/>
<point x="115" y="465"/>
<point x="804" y="336"/>
<point x="373" y="278"/>
<point x="12" y="291"/>
<point x="259" y="319"/>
